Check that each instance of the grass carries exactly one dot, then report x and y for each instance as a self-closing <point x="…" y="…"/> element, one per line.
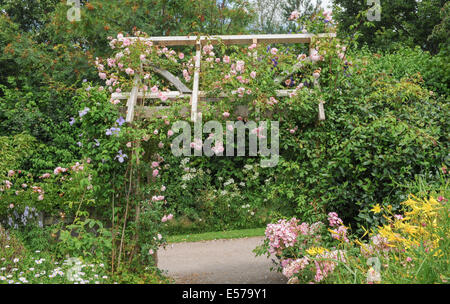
<point x="207" y="236"/>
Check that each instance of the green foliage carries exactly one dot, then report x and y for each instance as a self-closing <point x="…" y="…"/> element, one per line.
<point x="15" y="151"/>
<point x="403" y="22"/>
<point x="84" y="238"/>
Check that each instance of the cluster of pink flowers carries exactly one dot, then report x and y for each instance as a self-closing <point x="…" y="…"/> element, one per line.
<point x="295" y="266"/>
<point x="59" y="170"/>
<point x="157" y="198"/>
<point x="378" y="244"/>
<point x="341" y="232"/>
<point x="77" y="167"/>
<point x="39" y="191"/>
<point x="281" y="235"/>
<point x="334" y="220"/>
<point x="294" y="15"/>
<point x="167" y="218"/>
<point x="326" y="262"/>
<point x="45" y="175"/>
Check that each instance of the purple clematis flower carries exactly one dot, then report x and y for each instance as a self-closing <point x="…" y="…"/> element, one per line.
<point x="97" y="143"/>
<point x="84" y="111"/>
<point x="121" y="156"/>
<point x="72" y="121"/>
<point x="120" y="121"/>
<point x="112" y="131"/>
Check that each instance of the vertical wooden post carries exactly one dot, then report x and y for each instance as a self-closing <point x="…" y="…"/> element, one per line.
<point x="255" y="57"/>
<point x="321" y="102"/>
<point x="194" y="99"/>
<point x="132" y="99"/>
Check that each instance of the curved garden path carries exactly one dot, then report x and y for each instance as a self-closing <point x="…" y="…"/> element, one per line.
<point x="228" y="261"/>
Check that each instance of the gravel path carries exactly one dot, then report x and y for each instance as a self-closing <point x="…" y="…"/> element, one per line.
<point x="218" y="262"/>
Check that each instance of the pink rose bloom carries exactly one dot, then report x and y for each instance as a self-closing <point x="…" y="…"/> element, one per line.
<point x="129" y="71"/>
<point x="11" y="206"/>
<point x="408" y="259"/>
<point x="126" y="42"/>
<point x="181" y="56"/>
<point x="170" y="217"/>
<point x="41" y="197"/>
<point x="160" y="145"/>
<point x="252" y="46"/>
<point x="129" y="144"/>
<point x="164" y="219"/>
<point x="292" y="131"/>
<point x="226" y="114"/>
<point x="57" y="170"/>
<point x="155" y="164"/>
<point x="301" y="57"/>
<point x="162" y="96"/>
<point x="253" y="74"/>
<point x="217" y="60"/>
<point x="154" y="89"/>
<point x="226" y="59"/>
<point x="11" y="173"/>
<point x="163" y="188"/>
<point x="169" y="133"/>
<point x="142" y="57"/>
<point x="341" y="56"/>
<point x="273" y="51"/>
<point x="156" y="132"/>
<point x="155" y="173"/>
<point x="24" y="186"/>
<point x="314" y="55"/>
<point x="102" y="76"/>
<point x="294" y="15"/>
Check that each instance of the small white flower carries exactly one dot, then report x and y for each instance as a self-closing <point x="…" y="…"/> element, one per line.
<point x="24" y="280"/>
<point x="16" y="260"/>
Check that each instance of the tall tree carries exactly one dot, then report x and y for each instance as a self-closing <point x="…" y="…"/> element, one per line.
<point x="409" y="22"/>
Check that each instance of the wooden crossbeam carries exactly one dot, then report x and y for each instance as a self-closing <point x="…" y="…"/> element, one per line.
<point x="235" y="39"/>
<point x="177" y="95"/>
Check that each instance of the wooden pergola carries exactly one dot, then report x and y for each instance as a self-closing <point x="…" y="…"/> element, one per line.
<point x="195" y="94"/>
